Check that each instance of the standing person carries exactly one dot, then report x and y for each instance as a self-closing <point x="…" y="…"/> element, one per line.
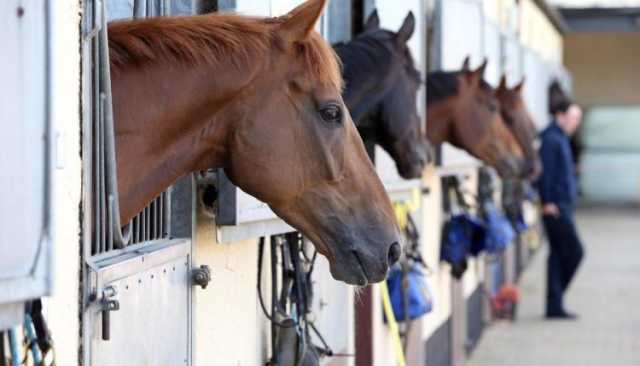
<point x="558" y="192"/>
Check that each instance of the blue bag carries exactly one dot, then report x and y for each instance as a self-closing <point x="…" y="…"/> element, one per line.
<point x="463" y="234"/>
<point x="520" y="225"/>
<point x="418" y="293"/>
<point x="499" y="231"/>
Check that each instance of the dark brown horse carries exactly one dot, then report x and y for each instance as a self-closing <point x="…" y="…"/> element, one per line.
<point x="260" y="98"/>
<point x="518" y="119"/>
<point x="463" y="110"/>
<point x="381" y="90"/>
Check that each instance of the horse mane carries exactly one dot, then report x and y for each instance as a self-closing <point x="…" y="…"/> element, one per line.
<point x="367" y="49"/>
<point x="444" y="84"/>
<point x="211" y="39"/>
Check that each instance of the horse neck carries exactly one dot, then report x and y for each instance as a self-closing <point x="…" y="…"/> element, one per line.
<point x="169" y="121"/>
<point x="440" y="116"/>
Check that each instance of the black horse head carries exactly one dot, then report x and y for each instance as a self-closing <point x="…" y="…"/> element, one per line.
<point x="382" y="84"/>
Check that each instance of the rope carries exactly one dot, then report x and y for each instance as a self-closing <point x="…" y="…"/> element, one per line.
<point x="393" y="325"/>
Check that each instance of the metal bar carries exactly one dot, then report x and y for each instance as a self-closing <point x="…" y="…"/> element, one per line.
<point x="274" y="298"/>
<point x="142" y="228"/>
<point x="161" y="215"/>
<point x="95" y="174"/>
<point x="139" y="8"/>
<point x="101" y="183"/>
<point x="138" y="229"/>
<point x="152" y="222"/>
<point x="120" y="238"/>
<point x="134" y="229"/>
<point x="156" y="218"/>
<point x="13" y="346"/>
<point x="31" y="337"/>
<point x="150" y="9"/>
<point x="147" y="220"/>
<point x="110" y="214"/>
<point x="167" y="213"/>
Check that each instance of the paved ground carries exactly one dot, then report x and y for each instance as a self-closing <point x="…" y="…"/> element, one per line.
<point x="606" y="294"/>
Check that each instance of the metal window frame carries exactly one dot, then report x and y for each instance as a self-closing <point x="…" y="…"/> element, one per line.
<point x="173" y="209"/>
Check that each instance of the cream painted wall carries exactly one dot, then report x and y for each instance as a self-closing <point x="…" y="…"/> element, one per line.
<point x="608" y="76"/>
<point x="61" y="309"/>
<point x="230" y="330"/>
<point x="538" y="33"/>
<point x="440" y="278"/>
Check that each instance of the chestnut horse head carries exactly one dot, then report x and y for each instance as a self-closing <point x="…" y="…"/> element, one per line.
<point x="260" y="98"/>
<point x="463" y="110"/>
<point x="516" y="116"/>
<point x="381" y="91"/>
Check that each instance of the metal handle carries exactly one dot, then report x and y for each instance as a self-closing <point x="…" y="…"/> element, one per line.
<point x="107" y="305"/>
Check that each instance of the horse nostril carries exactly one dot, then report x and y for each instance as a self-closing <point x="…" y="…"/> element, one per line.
<point x="394" y="254"/>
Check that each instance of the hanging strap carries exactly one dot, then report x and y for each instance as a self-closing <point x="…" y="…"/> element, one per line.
<point x="453" y="197"/>
<point x="3" y="356"/>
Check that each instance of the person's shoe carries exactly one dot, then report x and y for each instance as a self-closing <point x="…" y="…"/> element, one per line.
<point x="561" y="315"/>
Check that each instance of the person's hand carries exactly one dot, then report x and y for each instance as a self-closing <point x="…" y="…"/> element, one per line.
<point x="550" y="209"/>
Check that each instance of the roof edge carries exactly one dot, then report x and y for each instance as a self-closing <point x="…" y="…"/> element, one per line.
<point x="553" y="15"/>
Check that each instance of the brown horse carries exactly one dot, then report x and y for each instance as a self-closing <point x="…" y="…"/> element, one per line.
<point x="462" y="109"/>
<point x="261" y="99"/>
<point x="516" y="116"/>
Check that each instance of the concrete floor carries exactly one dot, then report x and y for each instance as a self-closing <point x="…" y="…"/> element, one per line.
<point x="605" y="293"/>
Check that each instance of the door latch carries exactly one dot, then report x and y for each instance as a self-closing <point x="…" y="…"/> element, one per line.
<point x="108" y="303"/>
<point x="201" y="276"/>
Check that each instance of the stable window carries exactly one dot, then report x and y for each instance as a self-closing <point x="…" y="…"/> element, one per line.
<point x="135" y="271"/>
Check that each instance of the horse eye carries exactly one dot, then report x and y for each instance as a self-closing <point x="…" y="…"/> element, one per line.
<point x="331" y="114"/>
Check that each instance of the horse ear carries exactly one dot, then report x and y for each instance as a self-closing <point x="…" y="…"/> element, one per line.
<point x="373" y="22"/>
<point x="465" y="64"/>
<point x="301" y="21"/>
<point x="407" y="29"/>
<point x="503" y="83"/>
<point x="480" y="70"/>
<point x="519" y="87"/>
<point x="476" y="76"/>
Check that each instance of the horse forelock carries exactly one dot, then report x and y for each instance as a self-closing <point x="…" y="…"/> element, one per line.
<point x="322" y="61"/>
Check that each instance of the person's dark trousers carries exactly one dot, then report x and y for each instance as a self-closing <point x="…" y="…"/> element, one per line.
<point x="565" y="254"/>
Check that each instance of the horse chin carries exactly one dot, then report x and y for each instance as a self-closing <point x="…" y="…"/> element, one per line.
<point x="412" y="172"/>
<point x="352" y="275"/>
<point x="355" y="268"/>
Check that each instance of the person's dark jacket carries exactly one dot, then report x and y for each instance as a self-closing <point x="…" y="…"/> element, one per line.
<point x="557" y="184"/>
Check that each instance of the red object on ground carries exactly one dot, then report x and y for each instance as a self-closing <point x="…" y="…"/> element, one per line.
<point x="505" y="303"/>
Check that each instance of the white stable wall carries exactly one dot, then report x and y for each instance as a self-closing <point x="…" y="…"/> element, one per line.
<point x="62" y="308"/>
